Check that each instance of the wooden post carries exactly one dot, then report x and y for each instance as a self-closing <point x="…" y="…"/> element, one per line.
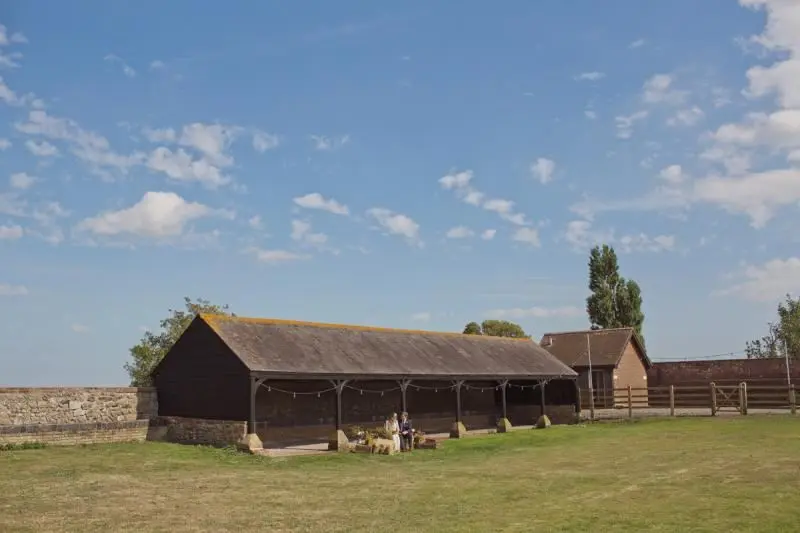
<point x="458" y="401"/>
<point x="541" y="399"/>
<point x="403" y="399"/>
<point x="713" y="392"/>
<point x="577" y="398"/>
<point x="743" y="398"/>
<point x="792" y="400"/>
<point x="251" y="421"/>
<point x="339" y="389"/>
<point x="591" y="403"/>
<point x="672" y="400"/>
<point x="630" y="402"/>
<point x="503" y="386"/>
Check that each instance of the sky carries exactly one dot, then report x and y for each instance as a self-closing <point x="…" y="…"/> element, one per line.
<point x="415" y="165"/>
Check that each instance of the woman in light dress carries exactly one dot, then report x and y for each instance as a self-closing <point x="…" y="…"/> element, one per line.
<point x="393" y="428"/>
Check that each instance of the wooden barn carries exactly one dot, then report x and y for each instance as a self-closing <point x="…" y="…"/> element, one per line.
<point x="303" y="381"/>
<point x="616" y="358"/>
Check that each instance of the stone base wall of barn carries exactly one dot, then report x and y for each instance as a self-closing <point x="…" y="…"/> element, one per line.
<point x="198" y="431"/>
<point x="75" y="415"/>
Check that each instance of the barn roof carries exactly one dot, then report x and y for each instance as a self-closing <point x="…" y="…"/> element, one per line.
<point x="607" y="346"/>
<point x="317" y="350"/>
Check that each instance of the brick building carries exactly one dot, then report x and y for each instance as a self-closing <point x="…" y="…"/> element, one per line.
<point x="304" y="381"/>
<point x="616" y="358"/>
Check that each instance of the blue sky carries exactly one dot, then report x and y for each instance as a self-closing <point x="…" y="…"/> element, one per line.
<point x="405" y="165"/>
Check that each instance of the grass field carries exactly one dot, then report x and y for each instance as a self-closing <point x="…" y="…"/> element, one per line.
<point x="737" y="474"/>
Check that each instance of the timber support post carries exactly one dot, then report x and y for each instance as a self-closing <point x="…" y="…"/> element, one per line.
<point x="743" y="397"/>
<point x="403" y="399"/>
<point x="792" y="400"/>
<point x="543" y="420"/>
<point x="712" y="390"/>
<point x="251" y="442"/>
<point x="338" y="441"/>
<point x="672" y="400"/>
<point x="630" y="402"/>
<point x="504" y="424"/>
<point x="591" y="403"/>
<point x="577" y="401"/>
<point x="458" y="430"/>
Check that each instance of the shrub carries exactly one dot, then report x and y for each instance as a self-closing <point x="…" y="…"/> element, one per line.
<point x="354" y="432"/>
<point x="10" y="446"/>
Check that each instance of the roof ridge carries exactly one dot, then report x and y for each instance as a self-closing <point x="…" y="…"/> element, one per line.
<point x="212" y="317"/>
<point x="590" y="331"/>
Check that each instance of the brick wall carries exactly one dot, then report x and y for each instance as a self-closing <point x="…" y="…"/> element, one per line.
<point x="75" y="415"/>
<point x="771" y="371"/>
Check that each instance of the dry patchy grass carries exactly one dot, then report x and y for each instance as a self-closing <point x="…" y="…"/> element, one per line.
<point x="739" y="474"/>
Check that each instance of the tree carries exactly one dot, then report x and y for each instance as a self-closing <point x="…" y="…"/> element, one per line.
<point x="783" y="337"/>
<point x="154" y="346"/>
<point x="496" y="328"/>
<point x="615" y="302"/>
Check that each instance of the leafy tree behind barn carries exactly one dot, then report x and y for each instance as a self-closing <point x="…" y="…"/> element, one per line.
<point x="154" y="346"/>
<point x="783" y="336"/>
<point x="496" y="328"/>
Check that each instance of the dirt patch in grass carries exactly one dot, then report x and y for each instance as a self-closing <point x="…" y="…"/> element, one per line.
<point x="677" y="475"/>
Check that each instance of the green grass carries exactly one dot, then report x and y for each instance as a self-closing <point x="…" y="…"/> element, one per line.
<point x="733" y="474"/>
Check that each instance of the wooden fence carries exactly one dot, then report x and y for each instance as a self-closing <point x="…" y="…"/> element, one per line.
<point x="713" y="397"/>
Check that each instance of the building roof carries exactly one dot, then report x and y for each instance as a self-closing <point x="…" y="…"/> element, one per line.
<point x="317" y="350"/>
<point x="607" y="346"/>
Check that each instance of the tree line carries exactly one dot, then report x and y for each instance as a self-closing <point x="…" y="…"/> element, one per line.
<point x="614" y="302"/>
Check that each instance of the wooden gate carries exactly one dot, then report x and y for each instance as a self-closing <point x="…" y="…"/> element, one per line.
<point x="727" y="398"/>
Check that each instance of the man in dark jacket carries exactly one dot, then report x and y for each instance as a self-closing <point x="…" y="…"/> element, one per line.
<point x="406" y="433"/>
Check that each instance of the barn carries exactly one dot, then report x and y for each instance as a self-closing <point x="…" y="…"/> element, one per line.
<point x="305" y="381"/>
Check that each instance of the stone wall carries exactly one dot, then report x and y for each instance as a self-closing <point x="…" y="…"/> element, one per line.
<point x="198" y="431"/>
<point x="75" y="415"/>
<point x="723" y="371"/>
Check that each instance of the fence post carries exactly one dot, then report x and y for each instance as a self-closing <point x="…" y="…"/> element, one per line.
<point x="672" y="400"/>
<point x="792" y="400"/>
<point x="713" y="392"/>
<point x="591" y="403"/>
<point x="743" y="397"/>
<point x="630" y="402"/>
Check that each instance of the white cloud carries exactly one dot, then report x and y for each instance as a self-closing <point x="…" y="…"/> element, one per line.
<point x="21" y="180"/>
<point x="255" y="222"/>
<point x="590" y="114"/>
<point x="159" y="135"/>
<point x="8" y="96"/>
<point x="581" y="235"/>
<point x="42" y="149"/>
<point x="590" y="76"/>
<point x="180" y="166"/>
<point x="263" y="141"/>
<point x="126" y="69"/>
<point x="16" y="37"/>
<point x="423" y="316"/>
<point x="212" y="140"/>
<point x="10" y="232"/>
<point x="543" y="169"/>
<point x="301" y="231"/>
<point x="536" y="312"/>
<point x="625" y="123"/>
<point x="459" y="182"/>
<point x="79" y="328"/>
<point x="323" y="143"/>
<point x="459" y="232"/>
<point x="673" y="175"/>
<point x="528" y="236"/>
<point x="638" y="43"/>
<point x="659" y="90"/>
<point x="315" y="200"/>
<point x="156" y="215"/>
<point x="686" y="117"/>
<point x="396" y="224"/>
<point x="13" y="290"/>
<point x="157" y="64"/>
<point x="274" y="257"/>
<point x="768" y="282"/>
<point x="488" y="234"/>
<point x="86" y="145"/>
<point x="5" y="144"/>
